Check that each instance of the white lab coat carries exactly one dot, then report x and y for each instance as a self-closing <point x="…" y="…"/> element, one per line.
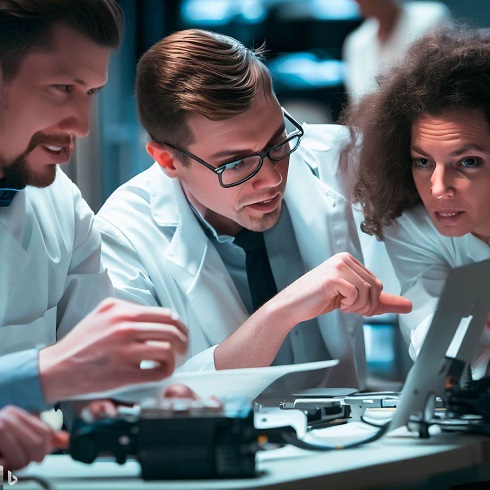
<point x="422" y="259"/>
<point x="157" y="253"/>
<point x="365" y="58"/>
<point x="51" y="274"/>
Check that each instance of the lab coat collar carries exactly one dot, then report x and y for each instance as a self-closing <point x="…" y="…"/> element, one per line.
<point x="476" y="248"/>
<point x="305" y="193"/>
<point x="163" y="202"/>
<point x="314" y="140"/>
<point x="195" y="264"/>
<point x="321" y="234"/>
<point x="170" y="208"/>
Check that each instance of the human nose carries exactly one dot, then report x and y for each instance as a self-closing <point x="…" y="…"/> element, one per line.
<point x="441" y="183"/>
<point x="77" y="119"/>
<point x="268" y="175"/>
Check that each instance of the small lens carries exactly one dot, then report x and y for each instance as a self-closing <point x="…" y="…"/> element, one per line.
<point x="243" y="169"/>
<point x="281" y="151"/>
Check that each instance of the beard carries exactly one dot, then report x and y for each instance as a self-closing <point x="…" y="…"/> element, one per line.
<point x="262" y="223"/>
<point x="18" y="174"/>
<point x="13" y="174"/>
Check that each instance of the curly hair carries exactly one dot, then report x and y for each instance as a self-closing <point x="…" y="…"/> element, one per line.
<point x="443" y="71"/>
<point x="196" y="70"/>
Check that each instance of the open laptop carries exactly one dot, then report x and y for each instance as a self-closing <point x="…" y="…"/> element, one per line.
<point x="450" y="345"/>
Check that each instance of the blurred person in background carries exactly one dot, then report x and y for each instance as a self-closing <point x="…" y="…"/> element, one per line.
<point x="383" y="38"/>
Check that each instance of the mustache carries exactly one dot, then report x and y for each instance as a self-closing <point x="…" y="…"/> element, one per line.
<point x="49" y="139"/>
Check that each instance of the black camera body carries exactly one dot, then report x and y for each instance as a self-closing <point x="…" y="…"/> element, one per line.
<point x="171" y="445"/>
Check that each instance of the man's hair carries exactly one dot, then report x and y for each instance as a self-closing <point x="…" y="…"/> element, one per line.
<point x="196" y="71"/>
<point x="444" y="71"/>
<point x="26" y="25"/>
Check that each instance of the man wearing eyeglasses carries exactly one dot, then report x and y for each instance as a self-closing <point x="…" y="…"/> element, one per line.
<point x="230" y="162"/>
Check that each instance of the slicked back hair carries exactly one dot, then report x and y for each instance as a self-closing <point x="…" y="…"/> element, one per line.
<point x="196" y="71"/>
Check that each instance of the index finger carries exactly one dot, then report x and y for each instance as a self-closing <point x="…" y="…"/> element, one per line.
<point x="391" y="303"/>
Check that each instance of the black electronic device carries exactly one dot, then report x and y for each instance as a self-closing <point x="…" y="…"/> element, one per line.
<point x="173" y="444"/>
<point x="468" y="407"/>
<point x="471" y="399"/>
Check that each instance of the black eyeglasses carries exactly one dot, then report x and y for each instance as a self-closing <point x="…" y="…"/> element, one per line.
<point x="239" y="171"/>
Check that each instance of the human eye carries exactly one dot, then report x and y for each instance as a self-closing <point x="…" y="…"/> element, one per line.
<point x="235" y="165"/>
<point x="242" y="165"/>
<point x="421" y="163"/>
<point x="63" y="88"/>
<point x="281" y="149"/>
<point x="470" y="162"/>
<point x="94" y="91"/>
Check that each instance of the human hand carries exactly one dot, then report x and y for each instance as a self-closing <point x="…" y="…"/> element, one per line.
<point x="93" y="410"/>
<point x="104" y="351"/>
<point x="339" y="282"/>
<point x="179" y="391"/>
<point x="25" y="438"/>
<point x="97" y="409"/>
<point x="183" y="398"/>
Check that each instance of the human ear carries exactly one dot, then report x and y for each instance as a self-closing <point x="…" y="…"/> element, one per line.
<point x="160" y="154"/>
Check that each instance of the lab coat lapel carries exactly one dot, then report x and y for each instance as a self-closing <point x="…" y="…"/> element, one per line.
<point x="317" y="215"/>
<point x="319" y="234"/>
<point x="476" y="249"/>
<point x="196" y="266"/>
<point x="14" y="256"/>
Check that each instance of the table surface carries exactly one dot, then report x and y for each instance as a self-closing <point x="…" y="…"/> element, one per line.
<point x="398" y="457"/>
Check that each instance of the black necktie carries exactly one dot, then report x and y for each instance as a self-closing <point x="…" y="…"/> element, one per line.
<point x="259" y="274"/>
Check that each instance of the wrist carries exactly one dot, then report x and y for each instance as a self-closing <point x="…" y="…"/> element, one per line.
<point x="257" y="341"/>
<point x="277" y="312"/>
<point x="58" y="381"/>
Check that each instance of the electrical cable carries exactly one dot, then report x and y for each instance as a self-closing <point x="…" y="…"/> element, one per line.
<point x="291" y="438"/>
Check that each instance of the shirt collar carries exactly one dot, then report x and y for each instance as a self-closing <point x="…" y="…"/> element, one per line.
<point x="212" y="233"/>
<point x="8" y="190"/>
<point x="209" y="229"/>
<point x="6" y="197"/>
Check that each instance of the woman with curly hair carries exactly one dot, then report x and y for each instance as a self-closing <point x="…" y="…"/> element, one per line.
<point x="419" y="165"/>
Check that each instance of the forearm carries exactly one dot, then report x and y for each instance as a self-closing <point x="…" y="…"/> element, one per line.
<point x="339" y="282"/>
<point x="20" y="382"/>
<point x="60" y="378"/>
<point x="257" y="341"/>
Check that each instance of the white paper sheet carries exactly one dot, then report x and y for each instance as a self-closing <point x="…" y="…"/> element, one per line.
<point x="247" y="383"/>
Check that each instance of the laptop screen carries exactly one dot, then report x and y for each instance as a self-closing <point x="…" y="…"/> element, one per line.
<point x="451" y="342"/>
